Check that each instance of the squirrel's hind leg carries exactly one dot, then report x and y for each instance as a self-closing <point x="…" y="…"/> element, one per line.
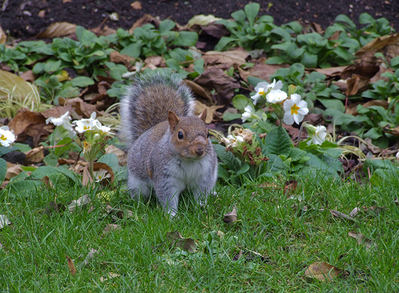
<point x="138" y="187"/>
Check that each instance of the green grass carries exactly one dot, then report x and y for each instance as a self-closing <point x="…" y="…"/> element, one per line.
<point x="35" y="246"/>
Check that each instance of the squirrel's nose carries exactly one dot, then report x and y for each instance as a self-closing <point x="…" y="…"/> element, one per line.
<point x="199" y="151"/>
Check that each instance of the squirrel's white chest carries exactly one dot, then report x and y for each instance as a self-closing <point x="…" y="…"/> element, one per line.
<point x="189" y="171"/>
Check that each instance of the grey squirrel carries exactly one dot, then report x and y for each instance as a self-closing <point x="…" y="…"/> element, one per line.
<point x="169" y="149"/>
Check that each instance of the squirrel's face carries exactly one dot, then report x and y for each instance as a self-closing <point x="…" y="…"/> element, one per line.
<point x="190" y="137"/>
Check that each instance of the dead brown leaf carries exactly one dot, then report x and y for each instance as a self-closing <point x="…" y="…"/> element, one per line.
<point x="28" y="76"/>
<point x="361" y="239"/>
<point x="109" y="276"/>
<point x="121" y="155"/>
<point x="154" y="62"/>
<point x="230" y="217"/>
<point x="290" y="186"/>
<point x="331" y="71"/>
<point x="356" y="84"/>
<point x="111" y="227"/>
<point x="250" y="255"/>
<point x="80" y="202"/>
<point x="90" y="256"/>
<point x="341" y="215"/>
<point x="322" y="271"/>
<point x="27" y="123"/>
<point x="210" y="111"/>
<point x="35" y="155"/>
<point x="12" y="170"/>
<point x="215" y="30"/>
<point x="226" y="59"/>
<point x="71" y="266"/>
<point x="378" y="44"/>
<point x="216" y="78"/>
<point x="56" y="111"/>
<point x="146" y="18"/>
<point x="57" y="29"/>
<point x="136" y="5"/>
<point x="260" y="70"/>
<point x="199" y="90"/>
<point x="80" y="107"/>
<point x="119" y="58"/>
<point x="187" y="244"/>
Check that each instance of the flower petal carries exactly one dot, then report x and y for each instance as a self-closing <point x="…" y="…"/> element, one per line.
<point x="288" y="119"/>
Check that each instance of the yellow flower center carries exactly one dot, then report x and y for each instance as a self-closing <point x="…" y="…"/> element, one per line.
<point x="86" y="127"/>
<point x="294" y="109"/>
<point x="2" y="137"/>
<point x="261" y="92"/>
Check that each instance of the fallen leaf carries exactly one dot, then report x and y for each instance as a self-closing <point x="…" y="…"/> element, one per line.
<point x="354" y="212"/>
<point x="361" y="239"/>
<point x="230" y="217"/>
<point x="153" y="62"/>
<point x="136" y="5"/>
<point x="12" y="170"/>
<point x="4" y="221"/>
<point x="199" y="90"/>
<point x="331" y="71"/>
<point x="210" y="111"/>
<point x="187" y="244"/>
<point x="71" y="266"/>
<point x="90" y="256"/>
<point x="260" y="70"/>
<point x="250" y="255"/>
<point x="119" y="58"/>
<point x="80" y="202"/>
<point x="109" y="276"/>
<point x="322" y="271"/>
<point x="146" y="18"/>
<point x="226" y="59"/>
<point x="35" y="155"/>
<point x="28" y="76"/>
<point x="121" y="155"/>
<point x="98" y="167"/>
<point x="202" y="20"/>
<point x="111" y="227"/>
<point x="57" y="29"/>
<point x="56" y="111"/>
<point x="341" y="215"/>
<point x="80" y="107"/>
<point x="215" y="30"/>
<point x="378" y="44"/>
<point x="216" y="78"/>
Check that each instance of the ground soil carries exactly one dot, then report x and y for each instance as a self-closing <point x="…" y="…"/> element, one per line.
<point x="25" y="18"/>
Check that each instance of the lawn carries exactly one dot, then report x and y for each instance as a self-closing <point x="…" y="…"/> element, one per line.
<point x="279" y="235"/>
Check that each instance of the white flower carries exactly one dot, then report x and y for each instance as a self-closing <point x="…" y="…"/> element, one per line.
<point x="233" y="140"/>
<point x="397" y="155"/>
<point x="7" y="137"/>
<point x="249" y="112"/>
<point x="84" y="125"/>
<point x="64" y="121"/>
<point x="101" y="175"/>
<point x="276" y="96"/>
<point x="295" y="109"/>
<point x="319" y="135"/>
<point x="272" y="91"/>
<point x="104" y="129"/>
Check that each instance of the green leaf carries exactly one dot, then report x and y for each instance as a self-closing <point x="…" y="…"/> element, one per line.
<point x="333" y="104"/>
<point x="309" y="60"/>
<point x="3" y="170"/>
<point x="186" y="39"/>
<point x="283" y="33"/>
<point x="240" y="102"/>
<point x="251" y="10"/>
<point x="223" y="43"/>
<point x="133" y="50"/>
<point x="52" y="66"/>
<point x="228" y="116"/>
<point x="278" y="142"/>
<point x="166" y="25"/>
<point x="366" y="18"/>
<point x="239" y="16"/>
<point x="395" y="61"/>
<point x="82" y="81"/>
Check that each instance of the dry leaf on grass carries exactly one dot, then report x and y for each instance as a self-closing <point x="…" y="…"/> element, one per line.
<point x="187" y="244"/>
<point x="361" y="239"/>
<point x="80" y="202"/>
<point x="90" y="256"/>
<point x="4" y="221"/>
<point x="35" y="155"/>
<point x="341" y="215"/>
<point x="290" y="186"/>
<point x="109" y="276"/>
<point x="71" y="266"/>
<point x="12" y="170"/>
<point x="250" y="255"/>
<point x="136" y="5"/>
<point x="211" y="111"/>
<point x="57" y="29"/>
<point x="354" y="212"/>
<point x="230" y="217"/>
<point x="111" y="227"/>
<point x="322" y="271"/>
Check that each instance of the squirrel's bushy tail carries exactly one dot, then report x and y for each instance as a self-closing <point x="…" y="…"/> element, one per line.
<point x="147" y="102"/>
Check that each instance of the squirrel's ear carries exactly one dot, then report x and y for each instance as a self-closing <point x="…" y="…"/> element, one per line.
<point x="203" y="115"/>
<point x="173" y="119"/>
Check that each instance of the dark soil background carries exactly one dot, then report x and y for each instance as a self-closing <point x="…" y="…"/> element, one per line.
<point x="25" y="18"/>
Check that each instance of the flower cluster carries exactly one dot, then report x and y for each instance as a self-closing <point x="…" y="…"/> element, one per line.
<point x="81" y="125"/>
<point x="7" y="137"/>
<point x="294" y="107"/>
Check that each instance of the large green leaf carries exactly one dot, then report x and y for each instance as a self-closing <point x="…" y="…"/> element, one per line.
<point x="278" y="142"/>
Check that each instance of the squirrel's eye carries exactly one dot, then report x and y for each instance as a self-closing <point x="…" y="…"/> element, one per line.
<point x="180" y="134"/>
